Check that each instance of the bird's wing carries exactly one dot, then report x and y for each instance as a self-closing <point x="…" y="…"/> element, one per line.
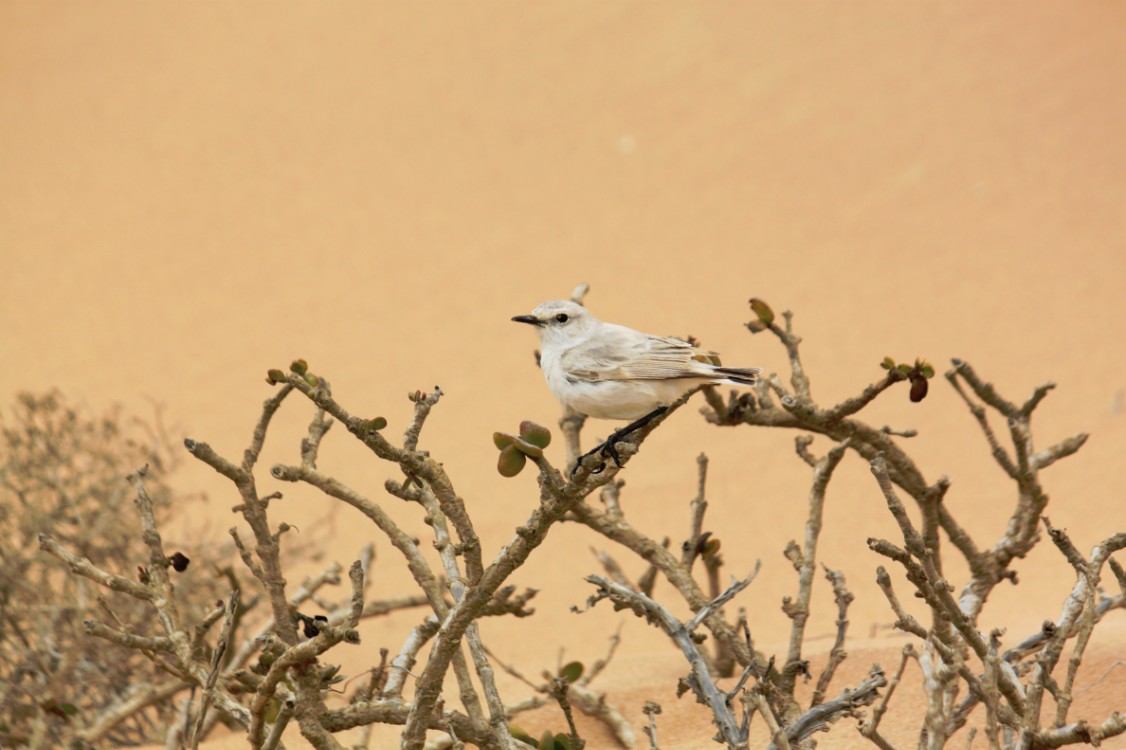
<point x="624" y="354"/>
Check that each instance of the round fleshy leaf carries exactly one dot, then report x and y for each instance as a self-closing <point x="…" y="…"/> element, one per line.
<point x="918" y="389"/>
<point x="511" y="461"/>
<point x="888" y="363"/>
<point x="502" y="441"/>
<point x="572" y="672"/>
<point x="527" y="448"/>
<point x="274" y="377"/>
<point x="62" y="710"/>
<point x="904" y="370"/>
<point x="927" y="370"/>
<point x="535" y="434"/>
<point x="547" y="741"/>
<point x="711" y="547"/>
<point x="312" y="379"/>
<point x="299" y="366"/>
<point x="755" y="326"/>
<point x="520" y="734"/>
<point x="762" y="310"/>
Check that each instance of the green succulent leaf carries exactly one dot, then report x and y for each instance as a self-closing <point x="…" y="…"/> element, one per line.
<point x="502" y="441"/>
<point x="274" y="377"/>
<point x="888" y="363"/>
<point x="762" y="310"/>
<point x="572" y="672"/>
<point x="520" y="734"/>
<point x="511" y="461"/>
<point x="927" y="370"/>
<point x="299" y="366"/>
<point x="755" y="326"/>
<point x="904" y="370"/>
<point x="535" y="434"/>
<point x="528" y="449"/>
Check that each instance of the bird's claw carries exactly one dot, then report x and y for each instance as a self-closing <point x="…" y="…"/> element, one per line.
<point x="606" y="450"/>
<point x="609" y="451"/>
<point x="596" y="470"/>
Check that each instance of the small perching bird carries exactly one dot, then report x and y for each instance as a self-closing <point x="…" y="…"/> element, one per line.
<point x="609" y="371"/>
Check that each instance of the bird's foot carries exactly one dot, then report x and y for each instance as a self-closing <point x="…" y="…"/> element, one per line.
<point x="604" y="450"/>
<point x="608" y="449"/>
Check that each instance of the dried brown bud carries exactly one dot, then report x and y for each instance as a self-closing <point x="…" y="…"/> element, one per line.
<point x="918" y="389"/>
<point x="179" y="562"/>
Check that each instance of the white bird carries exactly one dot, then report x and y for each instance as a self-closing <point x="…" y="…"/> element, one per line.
<point x="609" y="371"/>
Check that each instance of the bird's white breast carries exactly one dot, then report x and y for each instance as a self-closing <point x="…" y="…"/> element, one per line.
<point x="608" y="399"/>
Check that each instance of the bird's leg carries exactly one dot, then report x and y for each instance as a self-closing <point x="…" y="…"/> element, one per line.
<point x="607" y="449"/>
<point x="617" y="435"/>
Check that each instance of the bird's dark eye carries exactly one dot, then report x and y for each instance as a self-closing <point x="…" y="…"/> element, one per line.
<point x="561" y="318"/>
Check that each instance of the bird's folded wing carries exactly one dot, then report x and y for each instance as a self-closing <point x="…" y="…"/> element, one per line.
<point x="638" y="357"/>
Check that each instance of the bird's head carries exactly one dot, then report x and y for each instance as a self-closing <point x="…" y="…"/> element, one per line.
<point x="559" y="320"/>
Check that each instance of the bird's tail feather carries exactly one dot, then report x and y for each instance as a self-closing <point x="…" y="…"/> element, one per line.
<point x="741" y="375"/>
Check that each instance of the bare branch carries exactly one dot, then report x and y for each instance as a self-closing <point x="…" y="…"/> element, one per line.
<point x="699" y="507"/>
<point x="423" y="403"/>
<point x="557" y="498"/>
<point x="402" y="541"/>
<point x="798" y="610"/>
<point x="571" y="424"/>
<point x="818" y="718"/>
<point x="837" y="653"/>
<point x="850" y="406"/>
<point x="651" y="710"/>
<point x="983" y="390"/>
<point x="870" y="728"/>
<point x="999" y="453"/>
<point x="700" y="679"/>
<point x="216" y="664"/>
<point x="162" y="644"/>
<point x="83" y="567"/>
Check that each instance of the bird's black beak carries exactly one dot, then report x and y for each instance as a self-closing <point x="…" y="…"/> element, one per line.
<point x="529" y="319"/>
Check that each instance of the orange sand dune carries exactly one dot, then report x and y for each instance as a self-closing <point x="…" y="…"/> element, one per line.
<point x="193" y="193"/>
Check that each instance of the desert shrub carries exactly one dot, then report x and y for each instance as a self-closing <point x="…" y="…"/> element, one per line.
<point x="972" y="681"/>
<point x="62" y="471"/>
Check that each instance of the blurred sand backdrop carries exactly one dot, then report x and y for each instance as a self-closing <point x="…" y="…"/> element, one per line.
<point x="192" y="193"/>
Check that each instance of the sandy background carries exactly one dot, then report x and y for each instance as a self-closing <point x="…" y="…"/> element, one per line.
<point x="193" y="193"/>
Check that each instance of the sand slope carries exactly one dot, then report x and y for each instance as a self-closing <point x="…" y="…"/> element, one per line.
<point x="192" y="193"/>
